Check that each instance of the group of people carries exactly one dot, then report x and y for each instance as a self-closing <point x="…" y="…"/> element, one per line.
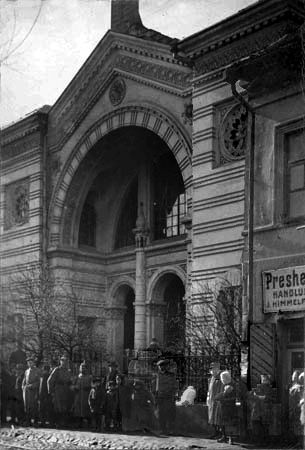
<point x="51" y="396"/>
<point x="234" y="410"/>
<point x="296" y="404"/>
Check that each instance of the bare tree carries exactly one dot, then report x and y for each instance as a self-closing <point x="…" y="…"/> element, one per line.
<point x="52" y="321"/>
<point x="10" y="39"/>
<point x="213" y="323"/>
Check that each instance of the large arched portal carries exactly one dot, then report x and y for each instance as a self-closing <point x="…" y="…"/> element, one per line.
<point x="127" y="167"/>
<point x="129" y="172"/>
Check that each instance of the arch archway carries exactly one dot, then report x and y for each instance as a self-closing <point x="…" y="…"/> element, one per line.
<point x="125" y="297"/>
<point x="167" y="306"/>
<point x="128" y="166"/>
<point x="121" y="316"/>
<point x="138" y="116"/>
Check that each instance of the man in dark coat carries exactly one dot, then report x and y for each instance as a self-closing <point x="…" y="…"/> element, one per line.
<point x="17" y="404"/>
<point x="97" y="400"/>
<point x="45" y="400"/>
<point x="111" y="407"/>
<point x="165" y="391"/>
<point x="124" y="393"/>
<point x="112" y="372"/>
<point x="30" y="387"/>
<point x="82" y="388"/>
<point x="59" y="386"/>
<point x="142" y="405"/>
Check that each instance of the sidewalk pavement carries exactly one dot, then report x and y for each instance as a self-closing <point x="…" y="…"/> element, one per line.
<point x="18" y="438"/>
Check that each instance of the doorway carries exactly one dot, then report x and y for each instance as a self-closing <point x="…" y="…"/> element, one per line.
<point x="129" y="320"/>
<point x="174" y="323"/>
<point x="292" y="357"/>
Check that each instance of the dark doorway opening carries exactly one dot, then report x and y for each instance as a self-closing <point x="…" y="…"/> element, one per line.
<point x="174" y="324"/>
<point x="129" y="320"/>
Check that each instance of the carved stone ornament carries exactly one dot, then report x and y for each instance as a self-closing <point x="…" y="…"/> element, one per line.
<point x="117" y="91"/>
<point x="188" y="113"/>
<point x="17" y="204"/>
<point x="233" y="138"/>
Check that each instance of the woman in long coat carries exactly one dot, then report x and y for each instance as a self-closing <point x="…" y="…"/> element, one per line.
<point x="59" y="386"/>
<point x="30" y="386"/>
<point x="226" y="406"/>
<point x="82" y="387"/>
<point x="215" y="388"/>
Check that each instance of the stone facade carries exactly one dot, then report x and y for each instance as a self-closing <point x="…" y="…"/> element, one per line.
<point x="138" y="97"/>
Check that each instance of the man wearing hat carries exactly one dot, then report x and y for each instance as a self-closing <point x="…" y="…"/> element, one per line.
<point x="112" y="372"/>
<point x="30" y="386"/>
<point x="215" y="387"/>
<point x="59" y="384"/>
<point x="165" y="392"/>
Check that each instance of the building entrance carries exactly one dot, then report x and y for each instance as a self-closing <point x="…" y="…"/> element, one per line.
<point x="295" y="346"/>
<point x="292" y="357"/>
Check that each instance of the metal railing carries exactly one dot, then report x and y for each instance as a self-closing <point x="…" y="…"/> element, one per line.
<point x="191" y="368"/>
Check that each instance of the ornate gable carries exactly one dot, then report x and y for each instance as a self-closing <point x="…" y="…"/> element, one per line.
<point x="146" y="62"/>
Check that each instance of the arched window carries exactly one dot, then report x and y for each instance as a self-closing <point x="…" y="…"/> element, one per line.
<point x="87" y="226"/>
<point x="169" y="202"/>
<point x="127" y="221"/>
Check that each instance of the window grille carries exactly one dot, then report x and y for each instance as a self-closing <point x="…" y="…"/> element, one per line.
<point x="169" y="204"/>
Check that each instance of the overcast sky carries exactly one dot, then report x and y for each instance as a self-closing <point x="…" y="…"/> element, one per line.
<point x="62" y="34"/>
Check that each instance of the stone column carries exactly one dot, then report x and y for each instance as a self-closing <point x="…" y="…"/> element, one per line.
<point x="141" y="235"/>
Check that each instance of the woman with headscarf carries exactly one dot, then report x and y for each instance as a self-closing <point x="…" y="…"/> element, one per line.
<point x="226" y="405"/>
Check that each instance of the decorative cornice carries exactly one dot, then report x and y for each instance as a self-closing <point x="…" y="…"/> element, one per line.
<point x="64" y="133"/>
<point x="30" y="124"/>
<point x="153" y="71"/>
<point x="224" y="56"/>
<point x="259" y="16"/>
<point x="19" y="134"/>
<point x="19" y="147"/>
<point x="77" y="254"/>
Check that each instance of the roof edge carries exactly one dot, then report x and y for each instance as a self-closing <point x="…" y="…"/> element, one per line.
<point x="245" y="21"/>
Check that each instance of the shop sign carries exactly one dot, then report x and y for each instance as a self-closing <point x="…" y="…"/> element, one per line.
<point x="284" y="289"/>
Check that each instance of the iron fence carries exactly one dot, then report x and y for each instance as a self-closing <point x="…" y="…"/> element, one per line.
<point x="191" y="368"/>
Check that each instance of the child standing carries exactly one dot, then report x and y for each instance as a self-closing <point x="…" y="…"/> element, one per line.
<point x="96" y="400"/>
<point x="111" y="407"/>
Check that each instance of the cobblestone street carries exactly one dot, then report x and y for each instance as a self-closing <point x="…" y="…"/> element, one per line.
<point x="40" y="439"/>
<point x="31" y="438"/>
